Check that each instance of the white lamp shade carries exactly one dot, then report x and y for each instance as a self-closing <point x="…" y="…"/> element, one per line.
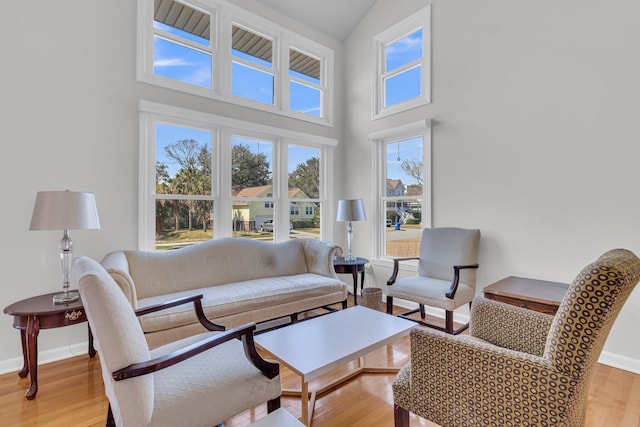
<point x="65" y="210"/>
<point x="351" y="210"/>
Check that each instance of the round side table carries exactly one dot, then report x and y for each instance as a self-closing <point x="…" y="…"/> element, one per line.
<point x="342" y="266"/>
<point x="32" y="314"/>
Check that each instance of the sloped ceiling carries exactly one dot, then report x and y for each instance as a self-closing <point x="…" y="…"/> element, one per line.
<point x="335" y="18"/>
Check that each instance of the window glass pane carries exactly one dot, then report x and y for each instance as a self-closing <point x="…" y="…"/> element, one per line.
<point x="252" y="220"/>
<point x="183" y="160"/>
<point x="251" y="169"/>
<point x="403" y="229"/>
<point x="305" y="99"/>
<point x="304" y="183"/>
<point x="178" y="62"/>
<point x="252" y="47"/>
<point x="304" y="172"/>
<point x="181" y="20"/>
<point x="252" y="83"/>
<point x="403" y="51"/>
<point x="403" y="86"/>
<point x="183" y="222"/>
<point x="304" y="66"/>
<point x="405" y="169"/>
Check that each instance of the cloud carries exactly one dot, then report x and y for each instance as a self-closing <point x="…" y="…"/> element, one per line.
<point x="171" y="62"/>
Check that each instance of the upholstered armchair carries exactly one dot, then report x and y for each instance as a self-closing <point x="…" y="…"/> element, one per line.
<point x="197" y="381"/>
<point x="446" y="276"/>
<point x="517" y="367"/>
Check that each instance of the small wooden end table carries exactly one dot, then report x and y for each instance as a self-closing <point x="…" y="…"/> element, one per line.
<point x="342" y="266"/>
<point x="32" y="314"/>
<point x="538" y="295"/>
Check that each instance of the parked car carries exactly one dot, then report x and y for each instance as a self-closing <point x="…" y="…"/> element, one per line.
<point x="267" y="226"/>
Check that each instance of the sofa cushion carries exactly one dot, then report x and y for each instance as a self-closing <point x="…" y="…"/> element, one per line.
<point x="238" y="297"/>
<point x="233" y="260"/>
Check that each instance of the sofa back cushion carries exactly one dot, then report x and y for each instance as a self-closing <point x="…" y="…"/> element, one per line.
<point x="213" y="262"/>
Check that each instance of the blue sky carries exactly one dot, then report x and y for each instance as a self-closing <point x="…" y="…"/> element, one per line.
<point x="192" y="66"/>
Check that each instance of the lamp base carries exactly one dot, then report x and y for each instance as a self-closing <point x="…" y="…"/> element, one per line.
<point x="66" y="297"/>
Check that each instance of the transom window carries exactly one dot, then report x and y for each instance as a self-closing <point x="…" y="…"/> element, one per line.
<point x="229" y="54"/>
<point x="402" y="71"/>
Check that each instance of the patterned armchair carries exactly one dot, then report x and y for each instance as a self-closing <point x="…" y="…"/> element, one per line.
<point x="517" y="367"/>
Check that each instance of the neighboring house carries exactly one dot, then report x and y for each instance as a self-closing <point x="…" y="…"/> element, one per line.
<point x="249" y="215"/>
<point x="395" y="187"/>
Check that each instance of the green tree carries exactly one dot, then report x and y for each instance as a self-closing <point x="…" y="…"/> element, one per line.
<point x="248" y="169"/>
<point x="306" y="177"/>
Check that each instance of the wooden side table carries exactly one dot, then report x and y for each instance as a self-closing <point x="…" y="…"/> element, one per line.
<point x="32" y="314"/>
<point x="538" y="295"/>
<point x="342" y="266"/>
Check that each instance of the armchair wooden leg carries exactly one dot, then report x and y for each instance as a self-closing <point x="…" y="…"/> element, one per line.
<point x="273" y="404"/>
<point x="344" y="304"/>
<point x="400" y="416"/>
<point x="448" y="321"/>
<point x="110" y="421"/>
<point x="389" y="305"/>
<point x="422" y="313"/>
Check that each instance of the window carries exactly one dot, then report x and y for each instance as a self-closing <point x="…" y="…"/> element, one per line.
<point x="183" y="185"/>
<point x="402" y="159"/>
<point x="304" y="189"/>
<point x="203" y="176"/>
<point x="306" y="87"/>
<point x="252" y="74"/>
<point x="226" y="53"/>
<point x="402" y="70"/>
<point x="182" y="48"/>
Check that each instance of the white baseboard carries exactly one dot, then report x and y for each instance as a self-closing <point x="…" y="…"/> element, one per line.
<point x="48" y="356"/>
<point x="606" y="358"/>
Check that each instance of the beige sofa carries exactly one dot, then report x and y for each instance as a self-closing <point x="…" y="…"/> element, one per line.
<point x="242" y="280"/>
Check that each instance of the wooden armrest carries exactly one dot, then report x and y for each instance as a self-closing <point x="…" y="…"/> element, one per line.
<point x="245" y="333"/>
<point x="456" y="278"/>
<point x="396" y="267"/>
<point x="197" y="303"/>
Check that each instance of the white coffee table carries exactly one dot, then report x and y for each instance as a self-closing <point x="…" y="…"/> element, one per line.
<point x="317" y="346"/>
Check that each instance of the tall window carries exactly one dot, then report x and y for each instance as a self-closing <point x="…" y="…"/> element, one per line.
<point x="304" y="190"/>
<point x="404" y="189"/>
<point x="403" y="65"/>
<point x="224" y="52"/>
<point x="204" y="176"/>
<point x="183" y="185"/>
<point x="252" y="187"/>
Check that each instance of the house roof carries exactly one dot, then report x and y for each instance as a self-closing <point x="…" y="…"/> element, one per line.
<point x="393" y="183"/>
<point x="263" y="190"/>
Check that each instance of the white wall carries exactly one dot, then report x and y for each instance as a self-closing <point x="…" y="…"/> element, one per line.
<point x="535" y="140"/>
<point x="69" y="120"/>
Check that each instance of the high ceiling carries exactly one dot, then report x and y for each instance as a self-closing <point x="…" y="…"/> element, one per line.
<point x="335" y="18"/>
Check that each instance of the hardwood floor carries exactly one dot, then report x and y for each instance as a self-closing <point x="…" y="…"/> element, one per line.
<point x="71" y="394"/>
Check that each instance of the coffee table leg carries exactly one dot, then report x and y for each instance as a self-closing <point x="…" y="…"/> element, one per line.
<point x="33" y="329"/>
<point x="304" y="395"/>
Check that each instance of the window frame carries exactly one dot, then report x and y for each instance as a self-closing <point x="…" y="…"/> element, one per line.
<point x="380" y="140"/>
<point x="419" y="20"/>
<point x="223" y="128"/>
<point x="223" y="16"/>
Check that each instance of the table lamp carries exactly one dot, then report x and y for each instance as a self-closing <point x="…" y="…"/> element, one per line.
<point x="65" y="210"/>
<point x="350" y="210"/>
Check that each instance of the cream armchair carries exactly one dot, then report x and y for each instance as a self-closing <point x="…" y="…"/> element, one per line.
<point x="197" y="381"/>
<point x="517" y="367"/>
<point x="446" y="276"/>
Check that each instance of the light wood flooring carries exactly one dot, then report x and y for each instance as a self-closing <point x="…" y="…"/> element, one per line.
<point x="71" y="394"/>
